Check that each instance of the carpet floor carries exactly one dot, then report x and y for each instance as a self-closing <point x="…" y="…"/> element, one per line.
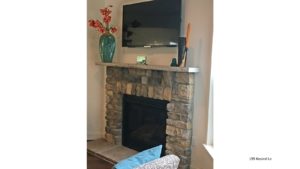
<point x="97" y="163"/>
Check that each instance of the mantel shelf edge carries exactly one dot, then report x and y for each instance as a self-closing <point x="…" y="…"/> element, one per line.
<point x="151" y="67"/>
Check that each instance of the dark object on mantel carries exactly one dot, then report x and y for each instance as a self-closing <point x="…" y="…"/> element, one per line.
<point x="174" y="63"/>
<point x="181" y="49"/>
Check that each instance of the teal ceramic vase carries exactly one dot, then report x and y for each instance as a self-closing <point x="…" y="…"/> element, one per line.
<point x="107" y="46"/>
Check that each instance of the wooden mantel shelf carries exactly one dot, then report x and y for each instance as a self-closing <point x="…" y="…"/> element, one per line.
<point x="152" y="67"/>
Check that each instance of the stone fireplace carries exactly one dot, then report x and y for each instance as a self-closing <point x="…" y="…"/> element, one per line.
<point x="171" y="84"/>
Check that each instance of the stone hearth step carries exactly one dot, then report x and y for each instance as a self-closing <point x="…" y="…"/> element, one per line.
<point x="109" y="152"/>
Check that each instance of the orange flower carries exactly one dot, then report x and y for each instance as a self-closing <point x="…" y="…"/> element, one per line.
<point x="97" y="23"/>
<point x="105" y="11"/>
<point x="113" y="29"/>
<point x="92" y="23"/>
<point x="107" y="19"/>
<point x="101" y="30"/>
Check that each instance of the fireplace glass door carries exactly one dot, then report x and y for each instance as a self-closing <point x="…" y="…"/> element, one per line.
<point x="144" y="122"/>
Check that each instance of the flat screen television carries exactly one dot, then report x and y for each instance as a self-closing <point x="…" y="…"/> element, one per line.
<point x="151" y="24"/>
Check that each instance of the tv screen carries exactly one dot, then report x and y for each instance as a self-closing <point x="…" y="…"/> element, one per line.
<point x="151" y="24"/>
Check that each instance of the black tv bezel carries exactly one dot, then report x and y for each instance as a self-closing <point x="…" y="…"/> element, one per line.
<point x="151" y="46"/>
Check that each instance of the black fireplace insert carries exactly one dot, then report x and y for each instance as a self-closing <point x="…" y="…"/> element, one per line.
<point x="144" y="122"/>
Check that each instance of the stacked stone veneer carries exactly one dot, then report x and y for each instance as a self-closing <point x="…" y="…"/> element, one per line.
<point x="175" y="87"/>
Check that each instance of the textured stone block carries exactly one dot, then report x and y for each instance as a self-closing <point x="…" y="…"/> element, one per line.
<point x="156" y="74"/>
<point x="123" y="86"/>
<point x="118" y="107"/>
<point x="173" y="115"/>
<point x="184" y="125"/>
<point x="140" y="72"/>
<point x="144" y="90"/>
<point x="118" y="140"/>
<point x="118" y="87"/>
<point x="169" y="152"/>
<point x="186" y="117"/>
<point x="129" y="88"/>
<point x="180" y="151"/>
<point x="185" y="91"/>
<point x="116" y="132"/>
<point x="132" y="71"/>
<point x="144" y="80"/>
<point x="118" y="73"/>
<point x="171" y="139"/>
<point x="109" y="93"/>
<point x="113" y="116"/>
<point x="167" y="79"/>
<point x="108" y="99"/>
<point x="109" y="107"/>
<point x="114" y="124"/>
<point x="148" y="73"/>
<point x="158" y="92"/>
<point x="183" y="108"/>
<point x="169" y="146"/>
<point x="109" y="71"/>
<point x="133" y="90"/>
<point x="186" y="78"/>
<point x="184" y="160"/>
<point x="174" y="131"/>
<point x="108" y="86"/>
<point x="184" y="143"/>
<point x="170" y="130"/>
<point x="107" y="129"/>
<point x="171" y="106"/>
<point x="109" y="138"/>
<point x="170" y="122"/>
<point x="167" y="93"/>
<point x="179" y="124"/>
<point x="110" y="80"/>
<point x="125" y="71"/>
<point x="187" y="134"/>
<point x="150" y="91"/>
<point x="117" y="99"/>
<point x="138" y="90"/>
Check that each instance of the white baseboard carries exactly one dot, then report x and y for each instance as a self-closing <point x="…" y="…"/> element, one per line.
<point x="93" y="135"/>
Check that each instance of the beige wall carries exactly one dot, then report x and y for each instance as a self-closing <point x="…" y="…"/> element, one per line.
<point x="200" y="14"/>
<point x="95" y="77"/>
<point x="197" y="12"/>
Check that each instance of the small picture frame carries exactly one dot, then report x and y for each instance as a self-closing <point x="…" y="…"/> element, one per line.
<point x="141" y="60"/>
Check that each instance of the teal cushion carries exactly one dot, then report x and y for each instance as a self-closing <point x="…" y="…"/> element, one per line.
<point x="140" y="158"/>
